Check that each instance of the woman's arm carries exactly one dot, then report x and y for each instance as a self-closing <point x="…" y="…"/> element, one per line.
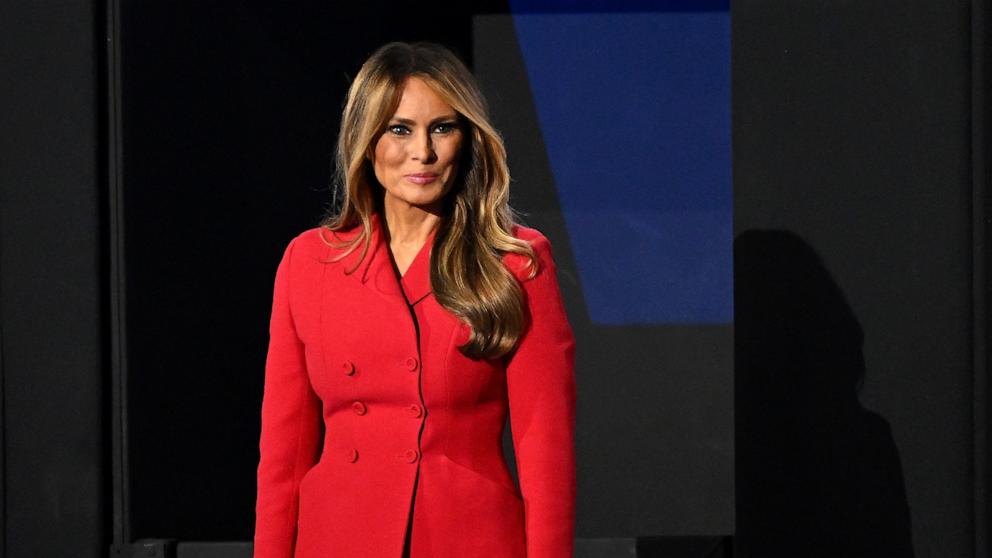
<point x="291" y="432"/>
<point x="541" y="390"/>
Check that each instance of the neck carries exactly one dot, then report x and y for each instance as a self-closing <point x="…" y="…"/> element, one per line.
<point x="409" y="224"/>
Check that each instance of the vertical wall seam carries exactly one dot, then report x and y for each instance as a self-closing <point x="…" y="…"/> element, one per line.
<point x="3" y="411"/>
<point x="980" y="285"/>
<point x="118" y="353"/>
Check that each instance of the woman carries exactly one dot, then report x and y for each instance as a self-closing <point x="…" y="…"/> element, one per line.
<point x="403" y="330"/>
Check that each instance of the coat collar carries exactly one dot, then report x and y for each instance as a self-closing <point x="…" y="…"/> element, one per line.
<point x="377" y="270"/>
<point x="416" y="282"/>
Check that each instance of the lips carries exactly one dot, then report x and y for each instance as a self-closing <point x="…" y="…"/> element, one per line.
<point x="422" y="177"/>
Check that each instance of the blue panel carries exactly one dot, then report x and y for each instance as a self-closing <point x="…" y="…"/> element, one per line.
<point x="635" y="113"/>
<point x="613" y="6"/>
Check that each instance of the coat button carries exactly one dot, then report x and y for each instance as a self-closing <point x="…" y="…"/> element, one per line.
<point x="415" y="411"/>
<point x="411" y="364"/>
<point x="410" y="456"/>
<point x="351" y="455"/>
<point x="359" y="408"/>
<point x="348" y="368"/>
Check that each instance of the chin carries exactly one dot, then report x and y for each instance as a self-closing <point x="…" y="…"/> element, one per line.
<point x="422" y="198"/>
<point x="419" y="196"/>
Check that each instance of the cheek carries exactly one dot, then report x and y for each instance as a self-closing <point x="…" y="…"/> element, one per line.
<point x="388" y="156"/>
<point x="453" y="153"/>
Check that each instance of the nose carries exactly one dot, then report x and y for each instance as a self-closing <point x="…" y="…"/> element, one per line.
<point x="423" y="148"/>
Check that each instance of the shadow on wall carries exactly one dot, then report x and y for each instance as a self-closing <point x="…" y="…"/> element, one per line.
<point x="817" y="475"/>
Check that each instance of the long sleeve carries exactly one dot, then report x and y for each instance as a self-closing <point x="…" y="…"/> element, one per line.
<point x="541" y="392"/>
<point x="290" y="426"/>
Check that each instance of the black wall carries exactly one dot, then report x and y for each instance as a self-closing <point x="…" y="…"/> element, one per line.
<point x="853" y="216"/>
<point x="860" y="397"/>
<point x="52" y="283"/>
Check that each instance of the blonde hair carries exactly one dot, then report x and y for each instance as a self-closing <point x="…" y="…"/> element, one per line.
<point x="467" y="273"/>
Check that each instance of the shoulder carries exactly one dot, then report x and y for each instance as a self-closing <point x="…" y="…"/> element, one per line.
<point x="302" y="243"/>
<point x="317" y="243"/>
<point x="518" y="263"/>
<point x="533" y="236"/>
<point x="306" y="251"/>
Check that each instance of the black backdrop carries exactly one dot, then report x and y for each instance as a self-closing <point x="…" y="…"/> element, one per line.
<point x="858" y="154"/>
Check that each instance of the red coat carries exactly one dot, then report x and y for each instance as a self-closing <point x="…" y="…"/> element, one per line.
<point x="412" y="425"/>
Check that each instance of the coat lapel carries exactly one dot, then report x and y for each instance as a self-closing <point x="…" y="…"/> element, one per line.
<point x="416" y="282"/>
<point x="378" y="272"/>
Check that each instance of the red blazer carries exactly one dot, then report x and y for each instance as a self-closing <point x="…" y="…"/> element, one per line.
<point x="370" y="414"/>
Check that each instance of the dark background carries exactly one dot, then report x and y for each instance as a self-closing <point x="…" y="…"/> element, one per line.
<point x="860" y="256"/>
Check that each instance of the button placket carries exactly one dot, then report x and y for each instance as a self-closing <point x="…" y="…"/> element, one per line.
<point x="413" y="410"/>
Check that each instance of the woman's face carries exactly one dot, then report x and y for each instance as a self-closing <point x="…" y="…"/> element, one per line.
<point x="416" y="157"/>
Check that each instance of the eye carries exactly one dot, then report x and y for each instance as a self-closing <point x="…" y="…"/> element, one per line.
<point x="445" y="127"/>
<point x="398" y="129"/>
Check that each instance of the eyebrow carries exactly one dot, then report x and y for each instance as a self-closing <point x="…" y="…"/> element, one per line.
<point x="435" y="121"/>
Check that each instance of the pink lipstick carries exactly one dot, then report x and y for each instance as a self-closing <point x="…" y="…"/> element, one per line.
<point x="422" y="177"/>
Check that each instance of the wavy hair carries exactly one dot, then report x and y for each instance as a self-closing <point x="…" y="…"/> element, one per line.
<point x="467" y="273"/>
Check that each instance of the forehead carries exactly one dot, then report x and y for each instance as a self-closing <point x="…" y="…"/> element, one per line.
<point x="420" y="99"/>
